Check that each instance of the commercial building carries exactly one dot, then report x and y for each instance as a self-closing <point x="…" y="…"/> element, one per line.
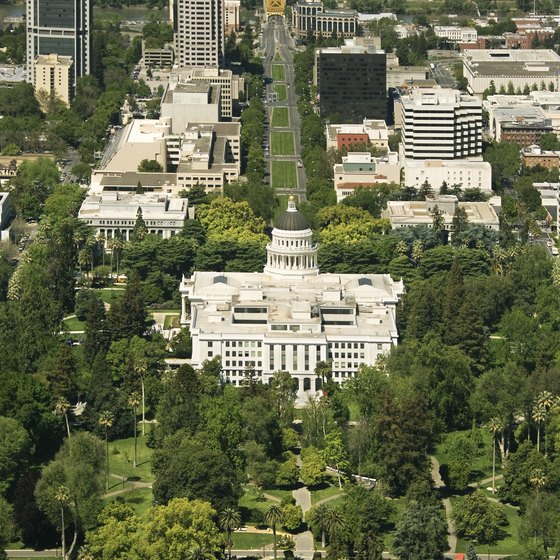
<point x="468" y="174"/>
<point x="231" y="15"/>
<point x="351" y="82"/>
<point x="62" y="27"/>
<point x="456" y="34"/>
<point x="503" y="67"/>
<point x="199" y="34"/>
<point x="158" y="58"/>
<point x="54" y="76"/>
<point x="6" y="214"/>
<point x="111" y="212"/>
<point x="290" y="317"/>
<point x="131" y="181"/>
<point x="361" y="169"/>
<point x="370" y="132"/>
<point x="309" y="17"/>
<point x="523" y="125"/>
<point x="402" y="213"/>
<point x="439" y="124"/>
<point x="400" y="76"/>
<point x="533" y="156"/>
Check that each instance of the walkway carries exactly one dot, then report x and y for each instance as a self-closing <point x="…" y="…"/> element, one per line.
<point x="304" y="541"/>
<point x="439" y="484"/>
<point x="134" y="485"/>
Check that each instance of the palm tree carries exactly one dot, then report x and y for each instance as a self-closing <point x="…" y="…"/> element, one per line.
<point x="133" y="402"/>
<point x="334" y="521"/>
<point x="140" y="367"/>
<point x="230" y="519"/>
<point x="61" y="407"/>
<point x="537" y="479"/>
<point x="106" y="421"/>
<point x="84" y="259"/>
<point x="319" y="518"/>
<point x="101" y="245"/>
<point x="538" y="416"/>
<point x="62" y="496"/>
<point x="546" y="400"/>
<point x="494" y="426"/>
<point x="323" y="370"/>
<point x="273" y="516"/>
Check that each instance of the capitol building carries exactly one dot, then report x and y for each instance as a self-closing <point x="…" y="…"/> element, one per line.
<point x="290" y="316"/>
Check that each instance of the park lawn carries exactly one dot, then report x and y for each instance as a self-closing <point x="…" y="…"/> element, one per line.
<point x="108" y="295"/>
<point x="121" y="453"/>
<point x="481" y="464"/>
<point x="277" y="57"/>
<point x="247" y="541"/>
<point x="278" y="73"/>
<point x="281" y="91"/>
<point x="249" y="501"/>
<point x="172" y="322"/>
<point x="74" y="324"/>
<point x="331" y="489"/>
<point x="280" y="117"/>
<point x="283" y="175"/>
<point x="508" y="545"/>
<point x="282" y="144"/>
<point x="139" y="498"/>
<point x="280" y="493"/>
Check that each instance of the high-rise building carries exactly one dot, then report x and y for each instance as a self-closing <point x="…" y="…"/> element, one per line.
<point x="61" y="27"/>
<point x="199" y="33"/>
<point x="351" y="82"/>
<point x="440" y="124"/>
<point x="53" y="76"/>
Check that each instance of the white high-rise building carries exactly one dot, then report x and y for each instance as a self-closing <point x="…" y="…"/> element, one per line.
<point x="439" y="124"/>
<point x="199" y="33"/>
<point x="290" y="317"/>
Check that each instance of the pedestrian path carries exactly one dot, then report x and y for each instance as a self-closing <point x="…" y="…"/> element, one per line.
<point x="304" y="541"/>
<point x="440" y="485"/>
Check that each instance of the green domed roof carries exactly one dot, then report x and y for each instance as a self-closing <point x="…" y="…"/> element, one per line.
<point x="291" y="219"/>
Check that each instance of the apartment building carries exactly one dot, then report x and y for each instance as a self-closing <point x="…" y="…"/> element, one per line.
<point x="53" y="76"/>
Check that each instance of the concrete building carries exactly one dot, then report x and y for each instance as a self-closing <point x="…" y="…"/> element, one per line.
<point x="370" y="132"/>
<point x="468" y="174"/>
<point x="402" y="213"/>
<point x="199" y="33"/>
<point x="400" y="76"/>
<point x="62" y="27"/>
<point x="351" y="82"/>
<point x="519" y="67"/>
<point x="128" y="182"/>
<point x="6" y="214"/>
<point x="290" y="317"/>
<point x="456" y="34"/>
<point x="523" y="125"/>
<point x="439" y="124"/>
<point x="532" y="156"/>
<point x="190" y="102"/>
<point x="158" y="58"/>
<point x="231" y="15"/>
<point x="360" y="169"/>
<point x="310" y="17"/>
<point x="550" y="198"/>
<point x="110" y="212"/>
<point x="54" y="76"/>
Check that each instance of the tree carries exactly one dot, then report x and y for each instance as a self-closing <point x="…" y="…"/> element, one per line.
<point x="313" y="467"/>
<point x="471" y="552"/>
<point x="6" y="526"/>
<point x="274" y="516"/>
<point x="420" y="533"/>
<point x="106" y="421"/>
<point x="479" y="520"/>
<point x="317" y="517"/>
<point x="230" y="519"/>
<point x="288" y="472"/>
<point x="335" y="455"/>
<point x="150" y="166"/>
<point x="71" y="486"/>
<point x="61" y="408"/>
<point x="494" y="426"/>
<point x="133" y="402"/>
<point x="284" y="391"/>
<point x="15" y="451"/>
<point x="140" y="230"/>
<point x="460" y="221"/>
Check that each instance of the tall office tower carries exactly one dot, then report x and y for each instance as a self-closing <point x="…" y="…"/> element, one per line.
<point x="351" y="82"/>
<point x="440" y="124"/>
<point x="199" y="34"/>
<point x="61" y="27"/>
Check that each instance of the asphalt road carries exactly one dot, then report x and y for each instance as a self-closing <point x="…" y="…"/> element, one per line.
<point x="276" y="39"/>
<point x="443" y="74"/>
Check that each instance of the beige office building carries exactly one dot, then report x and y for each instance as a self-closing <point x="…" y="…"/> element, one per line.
<point x="52" y="74"/>
<point x="231" y="15"/>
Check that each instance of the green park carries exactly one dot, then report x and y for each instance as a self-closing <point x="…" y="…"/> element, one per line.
<point x="278" y="73"/>
<point x="280" y="117"/>
<point x="283" y="174"/>
<point x="282" y="143"/>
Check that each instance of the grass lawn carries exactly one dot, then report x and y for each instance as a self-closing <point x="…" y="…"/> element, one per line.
<point x="140" y="499"/>
<point x="278" y="73"/>
<point x="281" y="91"/>
<point x="108" y="295"/>
<point x="279" y="493"/>
<point x="74" y="324"/>
<point x="171" y="321"/>
<point x="283" y="175"/>
<point x="121" y="454"/>
<point x="280" y="117"/>
<point x="277" y="57"/>
<point x="249" y="500"/>
<point x="326" y="492"/>
<point x="282" y="144"/>
<point x="481" y="464"/>
<point x="508" y="545"/>
<point x="248" y="541"/>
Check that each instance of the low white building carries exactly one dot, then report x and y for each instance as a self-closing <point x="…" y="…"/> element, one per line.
<point x="403" y="213"/>
<point x="290" y="317"/>
<point x="371" y="132"/>
<point x="456" y="34"/>
<point x="6" y="214"/>
<point x="360" y="169"/>
<point x="109" y="212"/>
<point x="470" y="174"/>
